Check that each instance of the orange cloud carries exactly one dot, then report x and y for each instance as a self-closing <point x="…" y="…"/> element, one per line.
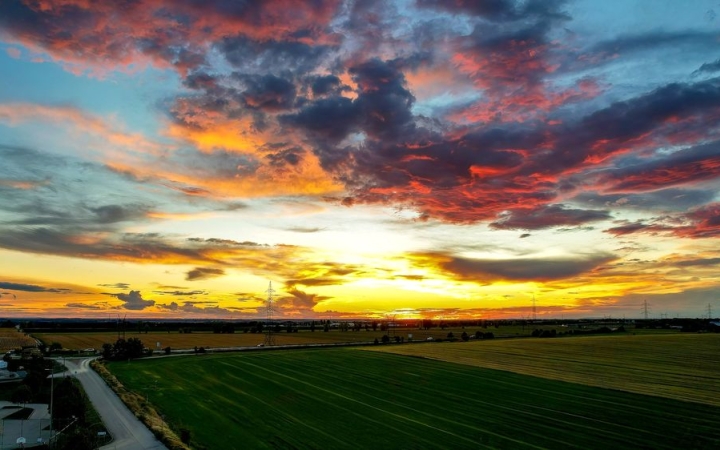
<point x="83" y="122"/>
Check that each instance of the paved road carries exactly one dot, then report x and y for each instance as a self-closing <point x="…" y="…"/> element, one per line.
<point x="128" y="432"/>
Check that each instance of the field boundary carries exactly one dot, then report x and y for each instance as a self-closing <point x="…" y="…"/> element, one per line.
<point x="141" y="408"/>
<point x="677" y="367"/>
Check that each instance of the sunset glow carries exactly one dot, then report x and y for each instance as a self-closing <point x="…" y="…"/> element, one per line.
<point x="423" y="158"/>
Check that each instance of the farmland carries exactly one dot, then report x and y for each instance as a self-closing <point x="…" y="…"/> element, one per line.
<point x="348" y="398"/>
<point x="175" y="340"/>
<point x="680" y="366"/>
<point x="10" y="339"/>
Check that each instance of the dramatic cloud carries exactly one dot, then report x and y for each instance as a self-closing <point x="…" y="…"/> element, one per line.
<point x="299" y="303"/>
<point x="133" y="301"/>
<point x="31" y="288"/>
<point x="547" y="217"/>
<point x="703" y="222"/>
<point x="203" y="273"/>
<point x="116" y="285"/>
<point x="90" y="306"/>
<point x="523" y="269"/>
<point x="433" y="149"/>
<point x="180" y="293"/>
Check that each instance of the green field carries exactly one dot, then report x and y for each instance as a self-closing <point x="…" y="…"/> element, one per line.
<point x="347" y="398"/>
<point x="683" y="366"/>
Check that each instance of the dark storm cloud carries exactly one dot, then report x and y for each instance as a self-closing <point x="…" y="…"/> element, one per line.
<point x="547" y="217"/>
<point x="688" y="166"/>
<point x="133" y="301"/>
<point x="267" y="92"/>
<point x="203" y="273"/>
<point x="381" y="110"/>
<point x="608" y="132"/>
<point x="383" y="100"/>
<point x="282" y="56"/>
<point x="329" y="119"/>
<point x="662" y="200"/>
<point x="324" y="85"/>
<point x="698" y="223"/>
<point x="523" y="269"/>
<point x="710" y="67"/>
<point x="168" y="32"/>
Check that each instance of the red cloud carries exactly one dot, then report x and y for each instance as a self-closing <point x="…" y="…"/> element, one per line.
<point x="109" y="35"/>
<point x="703" y="222"/>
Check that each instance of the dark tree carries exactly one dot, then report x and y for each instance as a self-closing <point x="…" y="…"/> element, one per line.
<point x="21" y="394"/>
<point x="69" y="402"/>
<point x="107" y="351"/>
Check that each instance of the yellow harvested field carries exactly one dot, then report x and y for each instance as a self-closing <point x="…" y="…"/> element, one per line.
<point x="10" y="339"/>
<point x="175" y="340"/>
<point x="680" y="366"/>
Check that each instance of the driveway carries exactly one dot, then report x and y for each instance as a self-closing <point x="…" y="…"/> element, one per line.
<point x="128" y="432"/>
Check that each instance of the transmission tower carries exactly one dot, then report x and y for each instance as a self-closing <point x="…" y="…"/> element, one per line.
<point x="709" y="311"/>
<point x="645" y="309"/>
<point x="269" y="332"/>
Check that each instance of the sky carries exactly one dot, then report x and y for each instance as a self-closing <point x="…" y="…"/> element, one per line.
<point x="417" y="158"/>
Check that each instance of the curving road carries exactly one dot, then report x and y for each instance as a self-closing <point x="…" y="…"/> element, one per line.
<point x="128" y="432"/>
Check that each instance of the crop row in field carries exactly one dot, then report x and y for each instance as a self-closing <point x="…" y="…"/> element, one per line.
<point x="175" y="340"/>
<point x="679" y="366"/>
<point x="345" y="398"/>
<point x="11" y="339"/>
